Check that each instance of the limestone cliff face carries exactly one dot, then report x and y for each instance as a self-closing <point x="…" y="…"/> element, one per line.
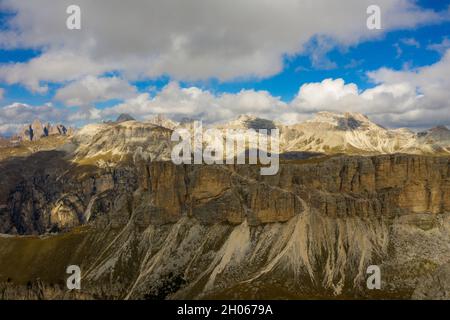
<point x="341" y="186"/>
<point x="378" y="185"/>
<point x="158" y="230"/>
<point x="46" y="192"/>
<point x="37" y="200"/>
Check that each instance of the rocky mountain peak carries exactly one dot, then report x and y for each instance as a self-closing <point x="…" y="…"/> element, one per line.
<point x="440" y="128"/>
<point x="356" y="115"/>
<point x="247" y="121"/>
<point x="163" y="121"/>
<point x="37" y="130"/>
<point x="37" y="124"/>
<point x="187" y="120"/>
<point x="439" y="136"/>
<point x="343" y="121"/>
<point x="124" y="117"/>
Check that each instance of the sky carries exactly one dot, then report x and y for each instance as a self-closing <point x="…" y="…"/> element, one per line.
<point x="214" y="60"/>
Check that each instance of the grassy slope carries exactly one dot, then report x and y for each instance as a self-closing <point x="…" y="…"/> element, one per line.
<point x="28" y="258"/>
<point x="27" y="148"/>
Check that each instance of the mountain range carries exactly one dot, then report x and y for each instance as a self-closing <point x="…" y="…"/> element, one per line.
<point x="327" y="133"/>
<point x="38" y="130"/>
<point x="350" y="194"/>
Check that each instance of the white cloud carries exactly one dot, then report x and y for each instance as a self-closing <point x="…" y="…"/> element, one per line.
<point x="419" y="103"/>
<point x="398" y="50"/>
<point x="431" y="86"/>
<point x="9" y="129"/>
<point x="91" y="89"/>
<point x="392" y="105"/>
<point x="22" y="113"/>
<point x="194" y="102"/>
<point x="440" y="47"/>
<point x="313" y="97"/>
<point x="429" y="79"/>
<point x="417" y="98"/>
<point x="317" y="50"/>
<point x="410" y="42"/>
<point x="54" y="66"/>
<point x="84" y="115"/>
<point x="191" y="40"/>
<point x="16" y="115"/>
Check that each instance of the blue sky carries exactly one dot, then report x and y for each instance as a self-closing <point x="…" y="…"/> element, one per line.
<point x="351" y="65"/>
<point x="399" y="49"/>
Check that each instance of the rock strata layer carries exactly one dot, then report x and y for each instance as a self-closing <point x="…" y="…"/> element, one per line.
<point x="149" y="230"/>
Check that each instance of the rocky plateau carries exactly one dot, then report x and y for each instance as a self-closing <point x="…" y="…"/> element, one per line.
<point x="109" y="200"/>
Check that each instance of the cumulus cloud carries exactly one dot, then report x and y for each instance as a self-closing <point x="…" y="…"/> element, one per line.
<point x="193" y="102"/>
<point x="84" y="115"/>
<point x="390" y="104"/>
<point x="379" y="103"/>
<point x="440" y="47"/>
<point x="53" y="66"/>
<point x="91" y="89"/>
<point x="317" y="50"/>
<point x="16" y="115"/>
<point x="329" y="94"/>
<point x="430" y="80"/>
<point x="417" y="98"/>
<point x="430" y="85"/>
<point x="410" y="42"/>
<point x="7" y="129"/>
<point x="193" y="40"/>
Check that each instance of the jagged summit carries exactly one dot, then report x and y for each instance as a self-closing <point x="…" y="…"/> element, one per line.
<point x="124" y="117"/>
<point x="327" y="132"/>
<point x="163" y="121"/>
<point x="117" y="141"/>
<point x="330" y="114"/>
<point x="355" y="133"/>
<point x="37" y="130"/>
<point x="440" y="128"/>
<point x="343" y="121"/>
<point x="438" y="137"/>
<point x="247" y="121"/>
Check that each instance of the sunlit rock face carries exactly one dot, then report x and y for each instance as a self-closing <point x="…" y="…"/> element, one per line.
<point x="119" y="141"/>
<point x="158" y="230"/>
<point x="140" y="227"/>
<point x="354" y="133"/>
<point x="37" y="130"/>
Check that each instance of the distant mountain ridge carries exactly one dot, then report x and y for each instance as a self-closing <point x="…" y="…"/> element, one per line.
<point x="326" y="132"/>
<point x="439" y="135"/>
<point x="124" y="117"/>
<point x="350" y="133"/>
<point x="4" y="142"/>
<point x="355" y="133"/>
<point x="109" y="200"/>
<point x="37" y="130"/>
